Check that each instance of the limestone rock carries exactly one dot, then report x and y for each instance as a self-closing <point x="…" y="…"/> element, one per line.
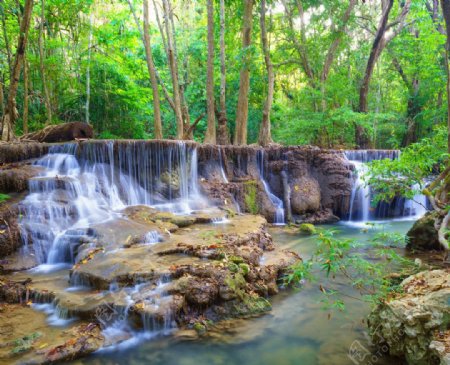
<point x="305" y="195"/>
<point x="408" y="323"/>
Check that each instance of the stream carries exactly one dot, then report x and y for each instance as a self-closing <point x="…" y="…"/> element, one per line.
<point x="297" y="330"/>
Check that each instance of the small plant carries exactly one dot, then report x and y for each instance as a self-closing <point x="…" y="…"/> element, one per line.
<point x="340" y="257"/>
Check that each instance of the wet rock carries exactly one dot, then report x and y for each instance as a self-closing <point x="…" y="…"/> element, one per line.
<point x="407" y="324"/>
<point x="320" y="217"/>
<point x="201" y="292"/>
<point x="10" y="238"/>
<point x="14" y="177"/>
<point x="423" y="236"/>
<point x="85" y="339"/>
<point x="19" y="151"/>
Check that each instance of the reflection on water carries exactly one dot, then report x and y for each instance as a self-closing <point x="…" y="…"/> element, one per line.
<point x="297" y="331"/>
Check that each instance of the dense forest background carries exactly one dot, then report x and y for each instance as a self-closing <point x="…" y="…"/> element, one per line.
<point x="341" y="73"/>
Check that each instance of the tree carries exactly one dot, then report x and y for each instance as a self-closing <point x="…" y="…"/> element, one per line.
<point x="223" y="137"/>
<point x="446" y="13"/>
<point x="385" y="33"/>
<point x="11" y="114"/>
<point x="240" y="135"/>
<point x="210" y="136"/>
<point x="48" y="105"/>
<point x="265" y="136"/>
<point x="152" y="72"/>
<point x="316" y="76"/>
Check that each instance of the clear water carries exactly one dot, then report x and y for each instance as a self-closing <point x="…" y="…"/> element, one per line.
<point x="297" y="330"/>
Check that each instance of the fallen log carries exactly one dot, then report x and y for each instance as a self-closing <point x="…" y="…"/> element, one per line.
<point x="61" y="133"/>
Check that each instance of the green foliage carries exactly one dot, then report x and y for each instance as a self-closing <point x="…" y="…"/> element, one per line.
<point x="406" y="176"/>
<point x="334" y="129"/>
<point x="340" y="259"/>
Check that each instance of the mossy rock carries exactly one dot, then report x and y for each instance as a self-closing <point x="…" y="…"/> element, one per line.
<point x="307" y="228"/>
<point x="423" y="236"/>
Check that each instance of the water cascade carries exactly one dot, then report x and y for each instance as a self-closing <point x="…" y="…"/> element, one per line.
<point x="361" y="209"/>
<point x="277" y="202"/>
<point x="82" y="185"/>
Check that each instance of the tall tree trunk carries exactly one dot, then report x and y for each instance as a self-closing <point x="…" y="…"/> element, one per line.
<point x="6" y="38"/>
<point x="173" y="70"/>
<point x="88" y="71"/>
<point x="385" y="33"/>
<point x="446" y="12"/>
<point x="210" y="136"/>
<point x="152" y="72"/>
<point x="265" y="136"/>
<point x="25" y="96"/>
<point x="240" y="136"/>
<point x="222" y="133"/>
<point x="378" y="44"/>
<point x="48" y="105"/>
<point x="10" y="116"/>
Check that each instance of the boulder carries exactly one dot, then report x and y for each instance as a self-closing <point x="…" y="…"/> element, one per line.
<point x="423" y="236"/>
<point x="407" y="323"/>
<point x="305" y="195"/>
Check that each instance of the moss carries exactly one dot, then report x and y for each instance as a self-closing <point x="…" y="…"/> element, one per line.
<point x="244" y="268"/>
<point x="252" y="304"/>
<point x="199" y="328"/>
<point x="307" y="228"/>
<point x="233" y="267"/>
<point x="4" y="197"/>
<point x="250" y="194"/>
<point x="236" y="259"/>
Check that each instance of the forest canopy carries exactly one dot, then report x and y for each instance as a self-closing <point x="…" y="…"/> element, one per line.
<point x="339" y="74"/>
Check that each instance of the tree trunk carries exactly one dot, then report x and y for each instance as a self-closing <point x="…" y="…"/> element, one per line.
<point x="173" y="70"/>
<point x="152" y="72"/>
<point x="48" y="106"/>
<point x="223" y="137"/>
<point x="240" y="136"/>
<point x="378" y="44"/>
<point x="265" y="136"/>
<point x="88" y="71"/>
<point x="446" y="13"/>
<point x="210" y="136"/>
<point x="10" y="116"/>
<point x="25" y="97"/>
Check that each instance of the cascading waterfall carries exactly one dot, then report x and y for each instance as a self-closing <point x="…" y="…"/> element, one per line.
<point x="360" y="200"/>
<point x="277" y="202"/>
<point x="82" y="185"/>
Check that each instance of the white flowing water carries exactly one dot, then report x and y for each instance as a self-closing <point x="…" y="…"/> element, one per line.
<point x="222" y="170"/>
<point x="277" y="202"/>
<point x="82" y="185"/>
<point x="361" y="209"/>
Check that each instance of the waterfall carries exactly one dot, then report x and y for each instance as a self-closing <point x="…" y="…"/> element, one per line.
<point x="361" y="209"/>
<point x="85" y="184"/>
<point x="222" y="170"/>
<point x="277" y="202"/>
